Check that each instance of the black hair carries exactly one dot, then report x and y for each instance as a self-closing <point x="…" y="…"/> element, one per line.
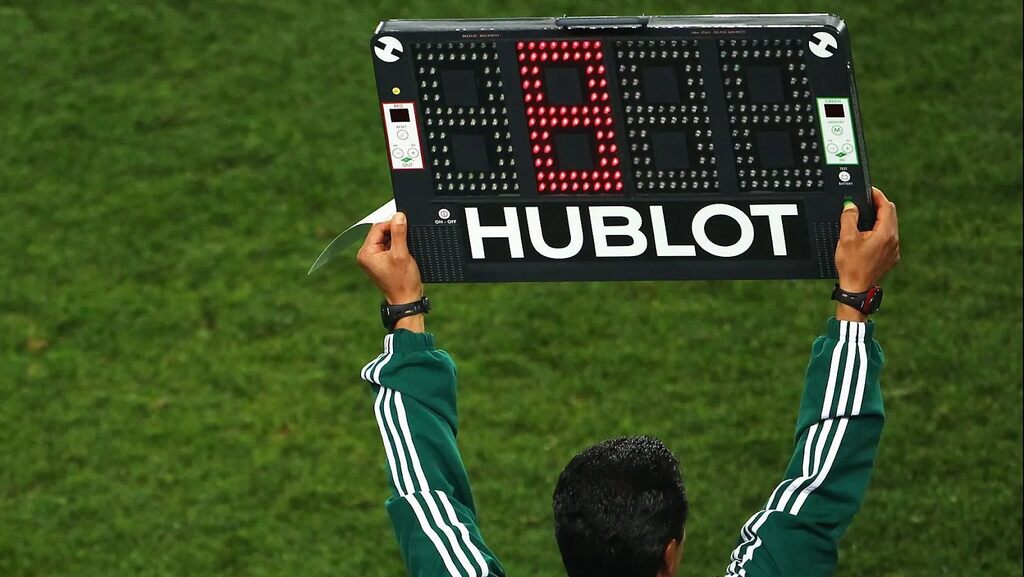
<point x="617" y="505"/>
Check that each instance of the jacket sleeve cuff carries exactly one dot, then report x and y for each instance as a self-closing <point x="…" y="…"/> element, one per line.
<point x="406" y="341"/>
<point x="836" y="329"/>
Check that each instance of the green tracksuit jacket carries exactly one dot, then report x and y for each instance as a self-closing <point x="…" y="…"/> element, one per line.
<point x="794" y="535"/>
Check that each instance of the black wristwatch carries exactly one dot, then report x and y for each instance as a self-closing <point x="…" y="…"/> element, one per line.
<point x="390" y="314"/>
<point x="866" y="302"/>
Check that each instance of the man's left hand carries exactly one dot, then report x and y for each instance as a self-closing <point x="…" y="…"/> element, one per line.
<point x="386" y="260"/>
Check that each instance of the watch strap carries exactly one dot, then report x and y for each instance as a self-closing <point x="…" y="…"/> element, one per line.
<point x="390" y="314"/>
<point x="867" y="302"/>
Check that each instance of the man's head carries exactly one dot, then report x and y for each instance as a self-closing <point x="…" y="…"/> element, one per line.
<point x="620" y="510"/>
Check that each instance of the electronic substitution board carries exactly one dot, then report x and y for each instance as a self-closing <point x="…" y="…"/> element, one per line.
<point x="622" y="148"/>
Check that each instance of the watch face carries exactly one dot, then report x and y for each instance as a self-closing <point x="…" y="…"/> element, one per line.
<point x="876" y="300"/>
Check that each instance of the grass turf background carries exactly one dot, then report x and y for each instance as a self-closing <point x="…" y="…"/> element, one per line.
<point x="178" y="398"/>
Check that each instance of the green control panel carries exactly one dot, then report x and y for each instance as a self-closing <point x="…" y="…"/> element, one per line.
<point x="837" y="131"/>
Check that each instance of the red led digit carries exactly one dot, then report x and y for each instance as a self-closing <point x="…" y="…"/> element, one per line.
<point x="593" y="116"/>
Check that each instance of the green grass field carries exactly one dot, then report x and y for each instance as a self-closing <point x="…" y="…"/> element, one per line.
<point x="178" y="398"/>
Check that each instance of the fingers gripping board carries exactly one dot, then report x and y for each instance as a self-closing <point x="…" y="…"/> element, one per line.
<point x="622" y="148"/>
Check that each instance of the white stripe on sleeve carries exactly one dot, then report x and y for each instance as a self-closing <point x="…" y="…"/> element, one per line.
<point x="748" y="538"/>
<point x="826" y="406"/>
<point x="388" y="344"/>
<point x="851" y="350"/>
<point x="386" y="438"/>
<point x="797" y="483"/>
<point x="432" y="535"/>
<point x="858" y="399"/>
<point x="453" y="541"/>
<point x="367" y="371"/>
<point x="403" y="464"/>
<point x="464" y="532"/>
<point x="843" y="422"/>
<point x="403" y="422"/>
<point x="807" y="448"/>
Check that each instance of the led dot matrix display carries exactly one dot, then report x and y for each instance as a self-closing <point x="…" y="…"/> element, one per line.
<point x="623" y="147"/>
<point x="771" y="114"/>
<point x="667" y="118"/>
<point x="466" y="120"/>
<point x="569" y="116"/>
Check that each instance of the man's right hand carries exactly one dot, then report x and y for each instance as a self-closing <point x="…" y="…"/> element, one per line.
<point x="863" y="258"/>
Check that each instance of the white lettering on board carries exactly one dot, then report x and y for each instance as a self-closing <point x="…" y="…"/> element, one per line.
<point x="570" y="250"/>
<point x="603" y="228"/>
<point x="477" y="232"/>
<point x="631" y="229"/>
<point x="700" y="221"/>
<point x="775" y="212"/>
<point x="661" y="245"/>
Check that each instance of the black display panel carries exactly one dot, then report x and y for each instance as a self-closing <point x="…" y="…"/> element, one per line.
<point x="834" y="111"/>
<point x="684" y="147"/>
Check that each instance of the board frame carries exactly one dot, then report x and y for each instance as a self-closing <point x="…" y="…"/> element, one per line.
<point x="440" y="245"/>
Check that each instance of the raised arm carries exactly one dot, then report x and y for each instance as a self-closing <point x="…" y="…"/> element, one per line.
<point x="838" y="427"/>
<point x="414" y="387"/>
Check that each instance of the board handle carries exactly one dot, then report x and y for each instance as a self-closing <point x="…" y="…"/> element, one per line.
<point x="592" y="22"/>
